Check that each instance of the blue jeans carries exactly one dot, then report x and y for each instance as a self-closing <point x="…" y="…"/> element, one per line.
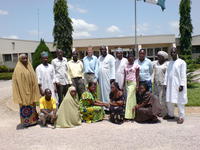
<point x="149" y="85"/>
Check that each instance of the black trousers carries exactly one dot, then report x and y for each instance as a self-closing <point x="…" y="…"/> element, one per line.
<point x="62" y="90"/>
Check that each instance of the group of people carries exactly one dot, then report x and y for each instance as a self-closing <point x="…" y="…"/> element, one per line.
<point x="67" y="90"/>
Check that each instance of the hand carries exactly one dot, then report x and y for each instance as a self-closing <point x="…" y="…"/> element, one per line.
<point x="180" y="88"/>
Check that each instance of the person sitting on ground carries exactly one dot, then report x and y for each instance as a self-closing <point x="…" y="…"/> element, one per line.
<point x="117" y="108"/>
<point x="47" y="108"/>
<point x="91" y="108"/>
<point x="69" y="111"/>
<point x="148" y="106"/>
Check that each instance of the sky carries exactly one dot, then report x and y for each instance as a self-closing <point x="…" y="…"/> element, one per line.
<point x="92" y="18"/>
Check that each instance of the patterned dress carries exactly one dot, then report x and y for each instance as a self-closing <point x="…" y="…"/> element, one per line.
<point x="90" y="113"/>
<point x="117" y="112"/>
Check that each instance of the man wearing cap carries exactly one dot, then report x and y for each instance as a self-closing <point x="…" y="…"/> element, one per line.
<point x="46" y="76"/>
<point x="90" y="63"/>
<point x="120" y="64"/>
<point x="106" y="73"/>
<point x="63" y="80"/>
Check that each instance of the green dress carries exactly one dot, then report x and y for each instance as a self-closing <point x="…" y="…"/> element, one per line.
<point x="90" y="113"/>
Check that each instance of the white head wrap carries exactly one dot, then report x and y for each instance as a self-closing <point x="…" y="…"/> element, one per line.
<point x="163" y="53"/>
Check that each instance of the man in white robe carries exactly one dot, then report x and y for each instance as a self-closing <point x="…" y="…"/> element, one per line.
<point x="46" y="76"/>
<point x="176" y="84"/>
<point x="106" y="73"/>
<point x="120" y="64"/>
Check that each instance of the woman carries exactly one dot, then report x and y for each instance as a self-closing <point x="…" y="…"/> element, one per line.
<point x="68" y="113"/>
<point x="148" y="106"/>
<point x="91" y="109"/>
<point x="25" y="91"/>
<point x="160" y="67"/>
<point x="132" y="82"/>
<point x="116" y="104"/>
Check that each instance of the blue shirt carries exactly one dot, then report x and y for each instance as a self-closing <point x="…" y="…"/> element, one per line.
<point x="91" y="65"/>
<point x="146" y="69"/>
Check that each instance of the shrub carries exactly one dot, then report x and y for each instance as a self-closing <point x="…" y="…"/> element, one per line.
<point x="6" y="76"/>
<point x="3" y="68"/>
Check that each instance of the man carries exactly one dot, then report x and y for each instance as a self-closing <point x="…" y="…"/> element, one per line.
<point x="106" y="73"/>
<point x="120" y="64"/>
<point x="61" y="74"/>
<point x="90" y="63"/>
<point x="76" y="73"/>
<point x="176" y="84"/>
<point x="46" y="75"/>
<point x="146" y="69"/>
<point x="47" y="108"/>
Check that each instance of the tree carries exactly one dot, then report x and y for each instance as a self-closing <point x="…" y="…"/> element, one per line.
<point x="63" y="29"/>
<point x="185" y="29"/>
<point x="37" y="55"/>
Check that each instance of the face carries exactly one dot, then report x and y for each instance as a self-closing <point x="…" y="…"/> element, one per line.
<point x="103" y="51"/>
<point x="142" y="89"/>
<point x="130" y="59"/>
<point x="90" y="51"/>
<point x="119" y="55"/>
<point x="142" y="55"/>
<point x="48" y="94"/>
<point x="59" y="54"/>
<point x="174" y="54"/>
<point x="161" y="59"/>
<point x="113" y="88"/>
<point x="45" y="59"/>
<point x="92" y="88"/>
<point x="75" y="56"/>
<point x="73" y="93"/>
<point x="24" y="60"/>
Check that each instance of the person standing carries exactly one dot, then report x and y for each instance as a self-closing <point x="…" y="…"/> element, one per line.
<point x="90" y="63"/>
<point x="76" y="73"/>
<point x="146" y="69"/>
<point x="25" y="91"/>
<point x="132" y="82"/>
<point x="46" y="76"/>
<point x="106" y="73"/>
<point x="61" y="73"/>
<point x="160" y="67"/>
<point x="176" y="86"/>
<point x="120" y="64"/>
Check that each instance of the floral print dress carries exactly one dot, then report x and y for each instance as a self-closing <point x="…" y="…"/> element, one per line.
<point x="90" y="113"/>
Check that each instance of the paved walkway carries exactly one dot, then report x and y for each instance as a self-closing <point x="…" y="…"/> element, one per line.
<point x="99" y="136"/>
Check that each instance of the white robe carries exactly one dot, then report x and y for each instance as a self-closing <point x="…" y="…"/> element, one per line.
<point x="46" y="78"/>
<point x="119" y="71"/>
<point x="105" y="74"/>
<point x="175" y="77"/>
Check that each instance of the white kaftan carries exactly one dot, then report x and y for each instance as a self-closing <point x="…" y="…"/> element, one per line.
<point x="46" y="78"/>
<point x="119" y="71"/>
<point x="105" y="74"/>
<point x="174" y="78"/>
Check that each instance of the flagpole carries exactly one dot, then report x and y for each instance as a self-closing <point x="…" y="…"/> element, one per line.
<point x="136" y="46"/>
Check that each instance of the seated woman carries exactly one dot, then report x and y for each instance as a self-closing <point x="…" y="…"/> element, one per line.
<point x="148" y="106"/>
<point x="91" y="109"/>
<point x="69" y="111"/>
<point x="117" y="108"/>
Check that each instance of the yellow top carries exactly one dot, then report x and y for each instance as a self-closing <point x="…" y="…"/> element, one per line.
<point x="44" y="104"/>
<point x="75" y="69"/>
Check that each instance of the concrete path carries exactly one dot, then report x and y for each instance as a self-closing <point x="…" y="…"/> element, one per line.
<point x="99" y="136"/>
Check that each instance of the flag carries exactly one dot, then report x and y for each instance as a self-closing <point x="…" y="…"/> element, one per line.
<point x="161" y="3"/>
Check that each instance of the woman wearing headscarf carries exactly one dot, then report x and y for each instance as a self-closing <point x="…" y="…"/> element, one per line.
<point x="159" y="68"/>
<point x="25" y="90"/>
<point x="68" y="114"/>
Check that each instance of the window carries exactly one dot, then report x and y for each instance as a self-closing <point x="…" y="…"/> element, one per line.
<point x="195" y="49"/>
<point x="15" y="57"/>
<point x="149" y="51"/>
<point x="165" y="49"/>
<point x="7" y="57"/>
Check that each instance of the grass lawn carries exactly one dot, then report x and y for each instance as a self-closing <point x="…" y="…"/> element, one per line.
<point x="194" y="95"/>
<point x="6" y="76"/>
